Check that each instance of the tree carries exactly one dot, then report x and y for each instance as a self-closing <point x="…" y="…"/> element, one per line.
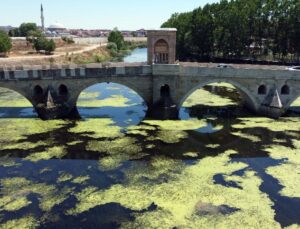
<point x="239" y="28"/>
<point x="14" y="32"/>
<point x="25" y="28"/>
<point x="5" y="43"/>
<point x="116" y="37"/>
<point x="32" y="35"/>
<point x="41" y="43"/>
<point x="50" y="46"/>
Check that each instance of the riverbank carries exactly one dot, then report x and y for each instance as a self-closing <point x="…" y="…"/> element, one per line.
<point x="84" y="51"/>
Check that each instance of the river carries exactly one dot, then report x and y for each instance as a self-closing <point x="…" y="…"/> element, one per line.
<point x="219" y="166"/>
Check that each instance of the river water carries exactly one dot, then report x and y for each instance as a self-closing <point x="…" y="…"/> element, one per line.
<point x="219" y="166"/>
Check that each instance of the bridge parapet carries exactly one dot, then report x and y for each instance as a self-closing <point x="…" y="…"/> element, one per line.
<point x="73" y="71"/>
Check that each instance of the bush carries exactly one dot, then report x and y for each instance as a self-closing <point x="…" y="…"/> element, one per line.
<point x="41" y="43"/>
<point x="112" y="46"/>
<point x="50" y="46"/>
<point x="5" y="43"/>
<point x="68" y="40"/>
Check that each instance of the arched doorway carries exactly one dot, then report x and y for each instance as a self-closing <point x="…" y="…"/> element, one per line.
<point x="161" y="52"/>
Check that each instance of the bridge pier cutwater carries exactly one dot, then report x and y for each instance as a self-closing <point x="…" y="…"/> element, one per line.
<point x="163" y="84"/>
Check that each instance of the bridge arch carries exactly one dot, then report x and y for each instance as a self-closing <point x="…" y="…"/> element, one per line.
<point x="292" y="100"/>
<point x="20" y="94"/>
<point x="128" y="85"/>
<point x="247" y="96"/>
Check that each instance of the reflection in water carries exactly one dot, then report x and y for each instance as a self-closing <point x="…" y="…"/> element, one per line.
<point x="115" y="101"/>
<point x="217" y="167"/>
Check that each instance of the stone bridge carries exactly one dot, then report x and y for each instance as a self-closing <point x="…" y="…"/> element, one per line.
<point x="163" y="84"/>
<point x="56" y="89"/>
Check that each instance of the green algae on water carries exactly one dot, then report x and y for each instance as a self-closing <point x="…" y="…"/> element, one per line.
<point x="204" y="97"/>
<point x="9" y="98"/>
<point x="18" y="130"/>
<point x="49" y="153"/>
<point x="117" y="151"/>
<point x="13" y="203"/>
<point x="19" y="187"/>
<point x="283" y="124"/>
<point x="64" y="177"/>
<point x="97" y="128"/>
<point x="170" y="136"/>
<point x="177" y="199"/>
<point x="288" y="173"/>
<point x="80" y="179"/>
<point x="190" y="154"/>
<point x="191" y="124"/>
<point x="113" y="101"/>
<point x="26" y="222"/>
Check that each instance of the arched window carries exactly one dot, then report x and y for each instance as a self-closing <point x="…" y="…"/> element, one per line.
<point x="63" y="90"/>
<point x="161" y="52"/>
<point x="285" y="90"/>
<point x="38" y="90"/>
<point x="262" y="90"/>
<point x="165" y="91"/>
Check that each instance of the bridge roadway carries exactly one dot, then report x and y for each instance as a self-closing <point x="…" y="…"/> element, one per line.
<point x="55" y="89"/>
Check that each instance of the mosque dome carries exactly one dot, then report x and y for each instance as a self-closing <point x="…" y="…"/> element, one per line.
<point x="57" y="26"/>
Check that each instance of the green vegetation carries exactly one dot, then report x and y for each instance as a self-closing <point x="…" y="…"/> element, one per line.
<point x="68" y="40"/>
<point x="15" y="187"/>
<point x="241" y="28"/>
<point x="289" y="171"/>
<point x="26" y="28"/>
<point x="26" y="222"/>
<point x="184" y="196"/>
<point x="117" y="38"/>
<point x="118" y="47"/>
<point x="97" y="128"/>
<point x="113" y="101"/>
<point x="53" y="152"/>
<point x="41" y="43"/>
<point x="5" y="43"/>
<point x="9" y="98"/>
<point x="34" y="36"/>
<point x="204" y="97"/>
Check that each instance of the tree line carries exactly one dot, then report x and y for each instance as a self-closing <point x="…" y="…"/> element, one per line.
<point x="258" y="29"/>
<point x="34" y="36"/>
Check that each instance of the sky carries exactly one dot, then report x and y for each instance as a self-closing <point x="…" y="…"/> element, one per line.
<point x="96" y="14"/>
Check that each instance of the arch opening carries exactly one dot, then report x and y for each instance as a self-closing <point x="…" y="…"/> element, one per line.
<point x="111" y="100"/>
<point x="165" y="91"/>
<point x="161" y="52"/>
<point x="14" y="105"/>
<point x="63" y="90"/>
<point x="285" y="90"/>
<point x="262" y="90"/>
<point x="38" y="90"/>
<point x="294" y="106"/>
<point x="217" y="99"/>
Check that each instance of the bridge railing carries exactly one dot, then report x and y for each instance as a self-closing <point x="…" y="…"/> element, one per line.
<point x="63" y="71"/>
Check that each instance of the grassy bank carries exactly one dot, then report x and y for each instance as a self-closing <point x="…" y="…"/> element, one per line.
<point x="105" y="54"/>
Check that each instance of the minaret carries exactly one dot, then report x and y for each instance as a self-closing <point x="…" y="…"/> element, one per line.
<point x="42" y="18"/>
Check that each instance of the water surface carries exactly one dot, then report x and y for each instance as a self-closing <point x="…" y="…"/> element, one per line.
<point x="220" y="166"/>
